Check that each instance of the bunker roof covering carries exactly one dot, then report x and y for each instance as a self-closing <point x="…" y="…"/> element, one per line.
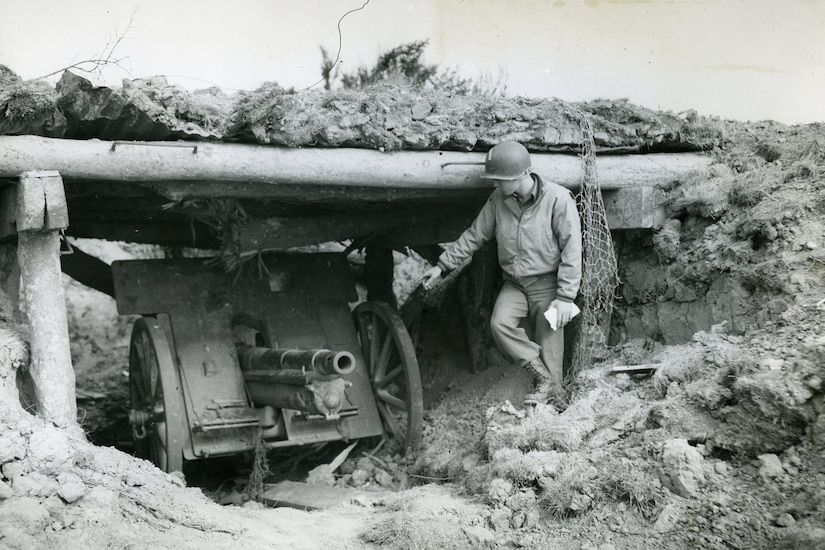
<point x="297" y="168"/>
<point x="385" y="116"/>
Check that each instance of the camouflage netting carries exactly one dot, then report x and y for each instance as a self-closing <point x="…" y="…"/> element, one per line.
<point x="600" y="276"/>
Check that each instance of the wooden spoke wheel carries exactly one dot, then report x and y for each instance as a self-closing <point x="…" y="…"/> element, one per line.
<point x="157" y="410"/>
<point x="393" y="371"/>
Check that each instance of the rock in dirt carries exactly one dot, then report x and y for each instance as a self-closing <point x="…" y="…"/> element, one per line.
<point x="499" y="489"/>
<point x="49" y="449"/>
<point x="770" y="467"/>
<point x="360" y="477"/>
<point x="521" y="501"/>
<point x="100" y="506"/>
<point x="669" y="518"/>
<point x="785" y="520"/>
<point x="532" y="518"/>
<point x="35" y="484"/>
<point x="25" y="513"/>
<point x="500" y="519"/>
<point x="683" y="468"/>
<point x="365" y="464"/>
<point x="13" y="470"/>
<point x="71" y="486"/>
<point x="5" y="491"/>
<point x="383" y="478"/>
<point x="480" y="537"/>
<point x="321" y="475"/>
<point x="797" y="537"/>
<point x="12" y="446"/>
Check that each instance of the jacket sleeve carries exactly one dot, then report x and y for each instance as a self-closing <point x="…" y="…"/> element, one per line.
<point x="567" y="228"/>
<point x="480" y="231"/>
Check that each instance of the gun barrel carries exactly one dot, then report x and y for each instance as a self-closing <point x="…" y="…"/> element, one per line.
<point x="322" y="361"/>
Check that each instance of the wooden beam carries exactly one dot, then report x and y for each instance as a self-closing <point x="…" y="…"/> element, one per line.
<point x="234" y="165"/>
<point x="40" y="218"/>
<point x="418" y="224"/>
<point x="149" y="232"/>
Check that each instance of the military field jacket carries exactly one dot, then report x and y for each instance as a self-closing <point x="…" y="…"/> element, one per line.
<point x="544" y="237"/>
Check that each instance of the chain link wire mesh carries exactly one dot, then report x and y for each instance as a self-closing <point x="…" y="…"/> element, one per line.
<point x="600" y="276"/>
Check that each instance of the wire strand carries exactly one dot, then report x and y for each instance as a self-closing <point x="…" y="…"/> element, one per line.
<point x="340" y="46"/>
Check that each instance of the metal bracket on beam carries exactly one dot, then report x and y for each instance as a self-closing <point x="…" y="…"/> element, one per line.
<point x="155" y="144"/>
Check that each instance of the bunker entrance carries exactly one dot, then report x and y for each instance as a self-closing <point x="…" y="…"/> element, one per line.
<point x="448" y="347"/>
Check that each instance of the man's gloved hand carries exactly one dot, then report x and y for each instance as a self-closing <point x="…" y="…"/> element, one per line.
<point x="431" y="276"/>
<point x="564" y="311"/>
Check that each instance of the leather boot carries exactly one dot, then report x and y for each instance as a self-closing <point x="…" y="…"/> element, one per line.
<point x="543" y="382"/>
<point x="546" y="390"/>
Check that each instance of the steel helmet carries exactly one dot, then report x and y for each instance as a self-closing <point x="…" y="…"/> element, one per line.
<point x="508" y="160"/>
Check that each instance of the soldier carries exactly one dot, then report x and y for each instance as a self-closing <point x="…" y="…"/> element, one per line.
<point x="538" y="235"/>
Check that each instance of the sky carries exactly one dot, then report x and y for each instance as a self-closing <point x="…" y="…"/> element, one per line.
<point x="736" y="59"/>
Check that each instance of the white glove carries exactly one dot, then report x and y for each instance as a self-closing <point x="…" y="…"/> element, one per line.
<point x="431" y="277"/>
<point x="560" y="313"/>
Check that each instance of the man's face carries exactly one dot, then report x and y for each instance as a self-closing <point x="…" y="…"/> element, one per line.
<point x="508" y="187"/>
<point x="520" y="186"/>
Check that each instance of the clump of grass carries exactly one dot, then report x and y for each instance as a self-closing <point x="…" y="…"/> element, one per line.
<point x="677" y="364"/>
<point x="813" y="152"/>
<point x="525" y="468"/>
<point x="801" y="169"/>
<point x="571" y="491"/>
<point x="21" y="100"/>
<point x="633" y="482"/>
<point x="746" y="193"/>
<point x="542" y="430"/>
<point x="223" y="216"/>
<point x="423" y="518"/>
<point x="768" y="151"/>
<point x="699" y="196"/>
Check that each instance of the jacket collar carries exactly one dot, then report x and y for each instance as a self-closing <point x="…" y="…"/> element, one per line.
<point x="536" y="194"/>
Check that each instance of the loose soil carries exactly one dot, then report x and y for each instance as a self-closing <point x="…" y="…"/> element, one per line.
<point x="722" y="447"/>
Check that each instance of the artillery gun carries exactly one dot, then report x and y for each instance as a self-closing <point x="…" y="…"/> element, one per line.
<point x="282" y="355"/>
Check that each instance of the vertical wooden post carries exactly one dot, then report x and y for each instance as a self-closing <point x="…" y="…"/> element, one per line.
<point x="378" y="274"/>
<point x="41" y="215"/>
<point x="477" y="290"/>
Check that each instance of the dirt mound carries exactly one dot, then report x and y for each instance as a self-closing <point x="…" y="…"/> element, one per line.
<point x="722" y="446"/>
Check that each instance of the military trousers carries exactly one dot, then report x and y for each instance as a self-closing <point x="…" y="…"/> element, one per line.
<point x="519" y="327"/>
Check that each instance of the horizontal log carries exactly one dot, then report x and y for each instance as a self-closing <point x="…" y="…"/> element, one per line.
<point x="439" y="222"/>
<point x="235" y="165"/>
<point x="148" y="232"/>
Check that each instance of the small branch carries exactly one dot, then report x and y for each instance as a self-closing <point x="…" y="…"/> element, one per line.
<point x="104" y="59"/>
<point x="376" y="460"/>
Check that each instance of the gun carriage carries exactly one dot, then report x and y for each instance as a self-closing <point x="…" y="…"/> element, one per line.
<point x="218" y="361"/>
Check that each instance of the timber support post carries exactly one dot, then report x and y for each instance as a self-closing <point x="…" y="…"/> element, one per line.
<point x="41" y="216"/>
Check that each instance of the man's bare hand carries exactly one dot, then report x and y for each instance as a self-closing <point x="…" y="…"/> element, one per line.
<point x="431" y="276"/>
